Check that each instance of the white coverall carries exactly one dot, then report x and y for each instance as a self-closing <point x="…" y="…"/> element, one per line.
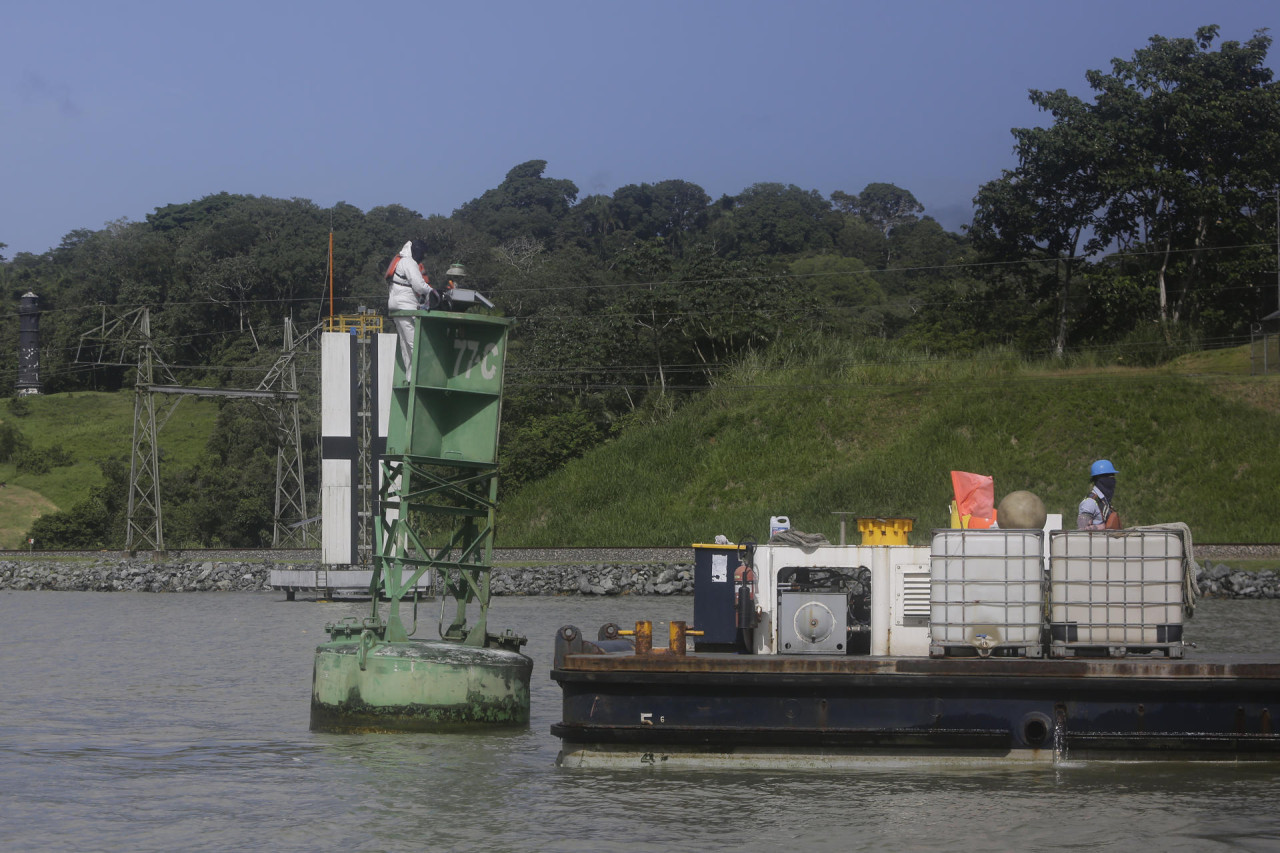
<point x="408" y="288"/>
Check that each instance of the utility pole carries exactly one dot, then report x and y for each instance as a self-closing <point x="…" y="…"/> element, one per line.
<point x="144" y="524"/>
<point x="291" y="493"/>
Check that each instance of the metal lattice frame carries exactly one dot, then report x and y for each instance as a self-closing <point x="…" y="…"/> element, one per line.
<point x="413" y="493"/>
<point x="438" y="498"/>
<point x="144" y="522"/>
<point x="366" y="466"/>
<point x="290" y="523"/>
<point x="155" y="402"/>
<point x="1264" y="351"/>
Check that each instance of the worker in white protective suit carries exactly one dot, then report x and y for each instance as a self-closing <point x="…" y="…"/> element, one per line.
<point x="410" y="291"/>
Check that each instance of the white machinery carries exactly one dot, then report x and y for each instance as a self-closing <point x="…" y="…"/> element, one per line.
<point x="829" y="598"/>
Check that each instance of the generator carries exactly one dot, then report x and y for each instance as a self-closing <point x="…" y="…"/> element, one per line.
<point x="838" y="599"/>
<point x="813" y="623"/>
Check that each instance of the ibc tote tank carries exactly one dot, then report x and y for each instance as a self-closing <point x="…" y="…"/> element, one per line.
<point x="986" y="592"/>
<point x="1115" y="592"/>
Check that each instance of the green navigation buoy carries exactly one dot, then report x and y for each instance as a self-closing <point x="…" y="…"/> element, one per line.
<point x="417" y="685"/>
<point x="435" y="518"/>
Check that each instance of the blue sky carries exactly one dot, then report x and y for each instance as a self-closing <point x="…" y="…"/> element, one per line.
<point x="110" y="110"/>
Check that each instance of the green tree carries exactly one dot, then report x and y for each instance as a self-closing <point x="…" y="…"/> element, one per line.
<point x="844" y="290"/>
<point x="883" y="205"/>
<point x="775" y="219"/>
<point x="855" y="237"/>
<point x="12" y="442"/>
<point x="539" y="444"/>
<point x="1170" y="163"/>
<point x="671" y="211"/>
<point x="95" y="522"/>
<point x="525" y="204"/>
<point x="1194" y="146"/>
<point x="689" y="318"/>
<point x="232" y="282"/>
<point x="1046" y="208"/>
<point x="593" y="225"/>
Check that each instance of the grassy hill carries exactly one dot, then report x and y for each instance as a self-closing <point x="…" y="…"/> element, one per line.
<point x="868" y="430"/>
<point x="90" y="427"/>
<point x="876" y="432"/>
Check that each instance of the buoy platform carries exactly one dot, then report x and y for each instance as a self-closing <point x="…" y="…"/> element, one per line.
<point x="417" y="685"/>
<point x="436" y="502"/>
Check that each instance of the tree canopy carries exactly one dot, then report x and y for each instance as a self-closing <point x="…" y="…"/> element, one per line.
<point x="1169" y="167"/>
<point x="1148" y="204"/>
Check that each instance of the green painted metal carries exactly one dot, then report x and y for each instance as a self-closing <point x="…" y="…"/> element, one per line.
<point x="417" y="685"/>
<point x="436" y="506"/>
<point x="446" y="411"/>
<point x="439" y="476"/>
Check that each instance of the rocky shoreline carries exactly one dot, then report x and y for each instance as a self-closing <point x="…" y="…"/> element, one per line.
<point x="137" y="575"/>
<point x="1215" y="580"/>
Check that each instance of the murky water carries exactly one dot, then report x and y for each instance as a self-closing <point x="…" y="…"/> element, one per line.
<point x="179" y="722"/>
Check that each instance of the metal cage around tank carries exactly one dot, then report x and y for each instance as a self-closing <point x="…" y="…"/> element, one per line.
<point x="987" y="593"/>
<point x="1116" y="593"/>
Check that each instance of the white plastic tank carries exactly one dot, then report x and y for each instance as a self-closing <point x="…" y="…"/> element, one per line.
<point x="986" y="591"/>
<point x="778" y="524"/>
<point x="1115" y="589"/>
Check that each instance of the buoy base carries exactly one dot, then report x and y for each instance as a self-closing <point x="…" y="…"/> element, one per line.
<point x="417" y="685"/>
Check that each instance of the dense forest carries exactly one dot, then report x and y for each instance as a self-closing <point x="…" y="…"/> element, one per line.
<point x="1138" y="221"/>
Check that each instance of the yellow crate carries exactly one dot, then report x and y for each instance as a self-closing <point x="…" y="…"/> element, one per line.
<point x="885" y="531"/>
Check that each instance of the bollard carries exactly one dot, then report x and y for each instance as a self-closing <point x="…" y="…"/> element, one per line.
<point x="676" y="643"/>
<point x="644" y="637"/>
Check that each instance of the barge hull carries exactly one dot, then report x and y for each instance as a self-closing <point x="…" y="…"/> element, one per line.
<point x="728" y="709"/>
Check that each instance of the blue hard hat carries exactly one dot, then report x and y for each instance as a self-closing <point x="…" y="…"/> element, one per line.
<point x="1102" y="466"/>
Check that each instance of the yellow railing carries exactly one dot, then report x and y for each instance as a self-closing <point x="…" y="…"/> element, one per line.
<point x="363" y="325"/>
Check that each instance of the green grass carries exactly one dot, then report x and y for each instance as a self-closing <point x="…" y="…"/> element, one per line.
<point x="1218" y="361"/>
<point x="18" y="508"/>
<point x="868" y="429"/>
<point x="91" y="427"/>
<point x="876" y="432"/>
<point x="1246" y="565"/>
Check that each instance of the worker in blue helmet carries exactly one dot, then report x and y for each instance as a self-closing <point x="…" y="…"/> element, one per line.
<point x="1096" y="511"/>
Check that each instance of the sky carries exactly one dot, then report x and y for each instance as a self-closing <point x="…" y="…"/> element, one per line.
<point x="111" y="110"/>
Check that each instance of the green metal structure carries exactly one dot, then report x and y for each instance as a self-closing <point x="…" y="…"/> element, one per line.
<point x="435" y="520"/>
<point x="439" y="475"/>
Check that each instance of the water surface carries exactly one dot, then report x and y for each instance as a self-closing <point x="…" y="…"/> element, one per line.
<point x="132" y="721"/>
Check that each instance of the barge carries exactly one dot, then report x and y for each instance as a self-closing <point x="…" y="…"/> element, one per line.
<point x="986" y="645"/>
